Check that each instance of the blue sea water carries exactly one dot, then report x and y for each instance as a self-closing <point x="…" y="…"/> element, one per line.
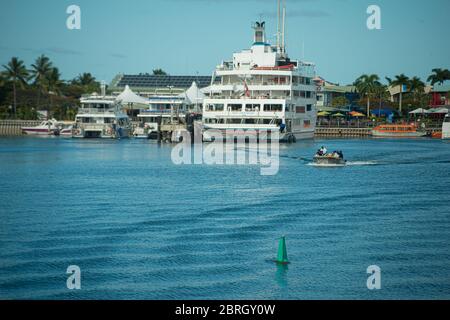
<point x="140" y="227"/>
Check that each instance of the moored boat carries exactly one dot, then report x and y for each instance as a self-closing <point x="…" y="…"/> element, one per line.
<point x="446" y="128"/>
<point x="46" y="128"/>
<point x="397" y="131"/>
<point x="261" y="93"/>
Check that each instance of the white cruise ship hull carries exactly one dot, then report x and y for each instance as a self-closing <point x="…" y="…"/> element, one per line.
<point x="252" y="132"/>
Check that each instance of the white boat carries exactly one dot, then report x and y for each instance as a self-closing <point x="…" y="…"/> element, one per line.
<point x="161" y="111"/>
<point x="446" y="128"/>
<point x="46" y="128"/>
<point x="101" y="117"/>
<point x="262" y="90"/>
<point x="66" y="131"/>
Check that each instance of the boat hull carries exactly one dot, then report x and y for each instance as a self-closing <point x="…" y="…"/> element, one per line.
<point x="287" y="137"/>
<point x="381" y="134"/>
<point x="38" y="132"/>
<point x="329" y="161"/>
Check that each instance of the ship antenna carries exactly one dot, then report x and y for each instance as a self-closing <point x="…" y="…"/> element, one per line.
<point x="284" y="28"/>
<point x="278" y="24"/>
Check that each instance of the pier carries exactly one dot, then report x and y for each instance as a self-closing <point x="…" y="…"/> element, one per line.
<point x="343" y="132"/>
<point x="14" y="127"/>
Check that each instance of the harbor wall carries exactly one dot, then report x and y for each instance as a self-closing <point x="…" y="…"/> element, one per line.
<point x="14" y="127"/>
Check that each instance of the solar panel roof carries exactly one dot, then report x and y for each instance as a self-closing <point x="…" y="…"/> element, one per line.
<point x="162" y="81"/>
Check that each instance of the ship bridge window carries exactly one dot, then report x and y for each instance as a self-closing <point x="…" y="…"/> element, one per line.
<point x="309" y="107"/>
<point x="267" y="121"/>
<point x="252" y="107"/>
<point x="447" y="119"/>
<point x="235" y="107"/>
<point x="273" y="107"/>
<point x="235" y="121"/>
<point x="250" y="121"/>
<point x="214" y="107"/>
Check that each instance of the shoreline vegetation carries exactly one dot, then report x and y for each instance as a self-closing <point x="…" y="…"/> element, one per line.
<point x="25" y="91"/>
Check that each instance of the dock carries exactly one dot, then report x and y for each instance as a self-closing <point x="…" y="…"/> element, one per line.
<point x="343" y="132"/>
<point x="14" y="127"/>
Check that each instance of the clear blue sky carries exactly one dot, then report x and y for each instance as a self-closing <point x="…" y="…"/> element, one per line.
<point x="190" y="36"/>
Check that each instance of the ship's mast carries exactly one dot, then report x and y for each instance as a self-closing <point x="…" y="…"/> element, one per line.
<point x="278" y="24"/>
<point x="281" y="27"/>
<point x="283" y="42"/>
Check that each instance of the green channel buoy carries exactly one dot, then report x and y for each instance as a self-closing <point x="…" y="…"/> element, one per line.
<point x="282" y="257"/>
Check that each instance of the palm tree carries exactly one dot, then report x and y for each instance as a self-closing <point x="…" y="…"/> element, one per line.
<point x="417" y="87"/>
<point x="365" y="85"/>
<point x="439" y="76"/>
<point x="40" y="72"/>
<point x="18" y="75"/>
<point x="54" y="84"/>
<point x="159" y="72"/>
<point x="2" y="79"/>
<point x="381" y="92"/>
<point x="84" y="79"/>
<point x="400" y="80"/>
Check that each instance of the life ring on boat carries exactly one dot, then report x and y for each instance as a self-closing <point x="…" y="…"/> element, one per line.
<point x="77" y="132"/>
<point x="109" y="131"/>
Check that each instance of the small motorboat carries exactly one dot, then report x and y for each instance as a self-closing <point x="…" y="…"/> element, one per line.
<point x="46" y="128"/>
<point x="323" y="158"/>
<point x="329" y="160"/>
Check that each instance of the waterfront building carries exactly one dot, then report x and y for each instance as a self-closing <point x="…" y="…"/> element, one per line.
<point x="328" y="91"/>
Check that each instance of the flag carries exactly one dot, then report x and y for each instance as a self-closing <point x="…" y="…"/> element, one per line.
<point x="247" y="91"/>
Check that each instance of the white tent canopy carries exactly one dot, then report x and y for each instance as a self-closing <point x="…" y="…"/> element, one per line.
<point x="128" y="96"/>
<point x="438" y="111"/>
<point x="419" y="111"/>
<point x="193" y="95"/>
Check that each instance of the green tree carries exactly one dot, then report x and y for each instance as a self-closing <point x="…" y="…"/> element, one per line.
<point x="40" y="72"/>
<point x="365" y="86"/>
<point x="439" y="76"/>
<point x="87" y="82"/>
<point x="54" y="85"/>
<point x="159" y="72"/>
<point x="340" y="101"/>
<point x="17" y="73"/>
<point x="400" y="80"/>
<point x="381" y="92"/>
<point x="416" y="87"/>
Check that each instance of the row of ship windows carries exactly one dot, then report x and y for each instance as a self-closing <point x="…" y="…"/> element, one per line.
<point x="295" y="122"/>
<point x="242" y="121"/>
<point x="257" y="107"/>
<point x="265" y="80"/>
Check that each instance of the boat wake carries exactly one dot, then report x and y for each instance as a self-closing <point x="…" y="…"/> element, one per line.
<point x="362" y="163"/>
<point x="347" y="164"/>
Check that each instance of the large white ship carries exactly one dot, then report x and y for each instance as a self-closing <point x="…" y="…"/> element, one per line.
<point x="262" y="89"/>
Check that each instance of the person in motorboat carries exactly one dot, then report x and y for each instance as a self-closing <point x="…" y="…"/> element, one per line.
<point x="322" y="151"/>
